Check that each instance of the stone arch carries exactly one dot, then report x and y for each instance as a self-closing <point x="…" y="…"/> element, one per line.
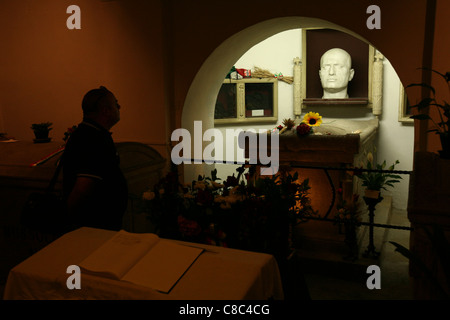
<point x="200" y="99"/>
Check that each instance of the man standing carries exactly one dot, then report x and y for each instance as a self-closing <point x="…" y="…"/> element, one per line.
<point x="94" y="186"/>
<point x="335" y="73"/>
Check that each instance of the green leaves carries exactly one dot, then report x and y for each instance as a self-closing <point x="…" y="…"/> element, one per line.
<point x="377" y="180"/>
<point x="443" y="108"/>
<point x="421" y="117"/>
<point x="43" y="126"/>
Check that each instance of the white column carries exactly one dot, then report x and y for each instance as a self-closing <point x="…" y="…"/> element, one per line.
<point x="377" y="85"/>
<point x="297" y="88"/>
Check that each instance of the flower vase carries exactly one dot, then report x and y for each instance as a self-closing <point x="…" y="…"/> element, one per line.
<point x="445" y="143"/>
<point x="372" y="194"/>
<point x="41" y="136"/>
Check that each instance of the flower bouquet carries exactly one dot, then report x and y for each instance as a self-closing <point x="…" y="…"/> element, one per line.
<point x="306" y="127"/>
<point x="245" y="211"/>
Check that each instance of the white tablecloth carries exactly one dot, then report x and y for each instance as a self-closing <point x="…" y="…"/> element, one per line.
<point x="218" y="274"/>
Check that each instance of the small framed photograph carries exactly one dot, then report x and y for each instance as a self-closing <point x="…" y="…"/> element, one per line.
<point x="404" y="112"/>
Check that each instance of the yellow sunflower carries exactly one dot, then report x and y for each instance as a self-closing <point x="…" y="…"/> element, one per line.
<point x="312" y="119"/>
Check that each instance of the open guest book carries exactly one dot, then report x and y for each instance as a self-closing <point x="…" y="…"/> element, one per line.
<point x="141" y="258"/>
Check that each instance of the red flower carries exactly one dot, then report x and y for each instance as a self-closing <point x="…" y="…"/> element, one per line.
<point x="188" y="227"/>
<point x="303" y="129"/>
<point x="204" y="197"/>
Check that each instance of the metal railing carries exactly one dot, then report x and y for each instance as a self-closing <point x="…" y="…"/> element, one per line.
<point x="326" y="170"/>
<point x="371" y="203"/>
<point x="333" y="190"/>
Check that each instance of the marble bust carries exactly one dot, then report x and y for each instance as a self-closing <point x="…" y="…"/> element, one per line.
<point x="335" y="73"/>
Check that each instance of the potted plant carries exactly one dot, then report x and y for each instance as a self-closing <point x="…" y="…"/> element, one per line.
<point x="441" y="128"/>
<point x="41" y="130"/>
<point x="376" y="180"/>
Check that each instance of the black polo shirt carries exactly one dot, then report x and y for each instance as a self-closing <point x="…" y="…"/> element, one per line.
<point x="90" y="152"/>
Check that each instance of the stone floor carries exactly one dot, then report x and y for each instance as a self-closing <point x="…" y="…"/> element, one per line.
<point x="395" y="280"/>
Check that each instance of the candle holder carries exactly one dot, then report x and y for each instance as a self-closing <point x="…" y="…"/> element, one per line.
<point x="371" y="203"/>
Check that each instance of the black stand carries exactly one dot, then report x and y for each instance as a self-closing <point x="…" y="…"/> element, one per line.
<point x="371" y="203"/>
<point x="350" y="240"/>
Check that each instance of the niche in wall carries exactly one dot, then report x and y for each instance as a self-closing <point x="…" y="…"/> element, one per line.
<point x="315" y="43"/>
<point x="247" y="100"/>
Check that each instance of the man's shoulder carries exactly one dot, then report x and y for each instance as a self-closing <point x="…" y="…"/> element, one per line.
<point x="83" y="138"/>
<point x="86" y="131"/>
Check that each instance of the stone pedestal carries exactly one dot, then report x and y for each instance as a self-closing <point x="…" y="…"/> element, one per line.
<point x="335" y="147"/>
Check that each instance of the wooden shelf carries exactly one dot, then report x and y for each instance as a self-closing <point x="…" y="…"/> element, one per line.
<point x="325" y="102"/>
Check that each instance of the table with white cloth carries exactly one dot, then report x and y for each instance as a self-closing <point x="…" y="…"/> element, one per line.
<point x="217" y="274"/>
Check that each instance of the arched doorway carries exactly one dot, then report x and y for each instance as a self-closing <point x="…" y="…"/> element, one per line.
<point x="200" y="100"/>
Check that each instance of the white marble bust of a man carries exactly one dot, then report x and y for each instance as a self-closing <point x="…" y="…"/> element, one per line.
<point x="335" y="73"/>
